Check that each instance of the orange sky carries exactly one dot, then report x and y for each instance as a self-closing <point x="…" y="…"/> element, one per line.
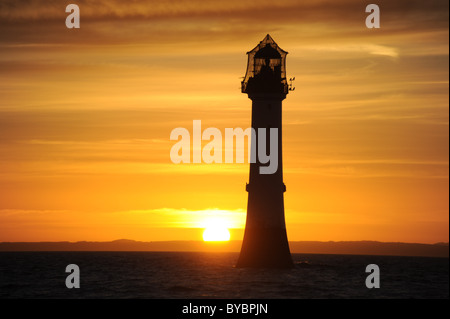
<point x="86" y="116"/>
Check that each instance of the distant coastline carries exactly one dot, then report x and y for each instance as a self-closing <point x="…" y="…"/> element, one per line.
<point x="305" y="247"/>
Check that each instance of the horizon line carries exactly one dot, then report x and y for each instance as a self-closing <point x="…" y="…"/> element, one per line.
<point x="231" y="240"/>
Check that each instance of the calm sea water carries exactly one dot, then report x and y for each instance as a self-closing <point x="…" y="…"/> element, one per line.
<point x="175" y="275"/>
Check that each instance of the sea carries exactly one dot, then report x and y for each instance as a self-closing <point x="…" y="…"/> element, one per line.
<point x="197" y="275"/>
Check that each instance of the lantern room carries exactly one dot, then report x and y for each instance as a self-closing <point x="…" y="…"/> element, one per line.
<point x="266" y="69"/>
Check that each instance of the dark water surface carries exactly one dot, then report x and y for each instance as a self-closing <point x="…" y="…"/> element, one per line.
<point x="183" y="275"/>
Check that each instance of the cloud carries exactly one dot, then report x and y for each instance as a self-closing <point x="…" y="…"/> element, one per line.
<point x="116" y="21"/>
<point x="158" y="217"/>
<point x="117" y="9"/>
<point x="363" y="48"/>
<point x="171" y="217"/>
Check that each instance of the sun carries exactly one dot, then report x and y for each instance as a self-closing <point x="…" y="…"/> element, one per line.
<point x="216" y="231"/>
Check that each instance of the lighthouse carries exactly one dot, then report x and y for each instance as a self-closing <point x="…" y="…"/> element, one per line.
<point x="265" y="243"/>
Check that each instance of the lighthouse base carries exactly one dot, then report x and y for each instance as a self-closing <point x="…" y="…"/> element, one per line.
<point x="265" y="248"/>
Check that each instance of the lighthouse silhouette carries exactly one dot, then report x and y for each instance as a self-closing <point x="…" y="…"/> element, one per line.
<point x="265" y="243"/>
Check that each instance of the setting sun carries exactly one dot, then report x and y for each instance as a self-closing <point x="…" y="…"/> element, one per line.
<point x="216" y="231"/>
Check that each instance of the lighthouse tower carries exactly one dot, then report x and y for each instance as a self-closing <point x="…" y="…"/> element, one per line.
<point x="265" y="243"/>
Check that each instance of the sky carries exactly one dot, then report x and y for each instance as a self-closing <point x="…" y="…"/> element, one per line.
<point x="86" y="116"/>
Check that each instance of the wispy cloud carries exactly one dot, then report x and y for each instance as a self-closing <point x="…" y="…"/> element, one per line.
<point x="147" y="218"/>
<point x="170" y="217"/>
<point x="373" y="49"/>
<point x="165" y="21"/>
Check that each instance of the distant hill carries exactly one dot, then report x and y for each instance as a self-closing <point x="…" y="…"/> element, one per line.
<point x="305" y="247"/>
